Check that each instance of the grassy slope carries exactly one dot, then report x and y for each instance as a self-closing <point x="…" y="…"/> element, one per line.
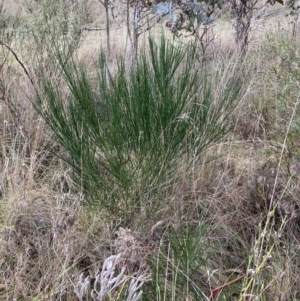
<point x="233" y="218"/>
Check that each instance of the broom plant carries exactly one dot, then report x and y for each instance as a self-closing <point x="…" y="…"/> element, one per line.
<point x="125" y="141"/>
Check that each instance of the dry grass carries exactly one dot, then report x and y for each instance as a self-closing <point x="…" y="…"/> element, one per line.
<point x="245" y="191"/>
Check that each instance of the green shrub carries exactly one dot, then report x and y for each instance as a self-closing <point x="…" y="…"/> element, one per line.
<point x="126" y="142"/>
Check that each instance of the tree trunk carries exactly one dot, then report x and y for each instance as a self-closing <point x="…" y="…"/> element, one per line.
<point x="135" y="33"/>
<point x="108" y="52"/>
<point x="296" y="27"/>
<point x="242" y="12"/>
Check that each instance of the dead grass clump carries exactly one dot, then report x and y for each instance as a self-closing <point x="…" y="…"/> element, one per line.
<point x="42" y="250"/>
<point x="24" y="143"/>
<point x="253" y="219"/>
<point x="268" y="193"/>
<point x="252" y="126"/>
<point x="133" y="251"/>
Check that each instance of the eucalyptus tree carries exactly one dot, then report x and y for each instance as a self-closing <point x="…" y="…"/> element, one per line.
<point x="139" y="16"/>
<point x="194" y="18"/>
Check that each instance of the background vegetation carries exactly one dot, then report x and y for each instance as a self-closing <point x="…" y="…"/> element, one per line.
<point x="148" y="162"/>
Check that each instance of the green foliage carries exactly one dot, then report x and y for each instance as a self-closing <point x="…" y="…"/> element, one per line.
<point x="180" y="264"/>
<point x="126" y="142"/>
<point x="188" y="15"/>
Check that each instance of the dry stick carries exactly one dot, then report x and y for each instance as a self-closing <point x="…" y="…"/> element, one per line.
<point x="93" y="28"/>
<point x="5" y="91"/>
<point x="283" y="148"/>
<point x="280" y="160"/>
<point x="217" y="291"/>
<point x="23" y="67"/>
<point x="105" y="3"/>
